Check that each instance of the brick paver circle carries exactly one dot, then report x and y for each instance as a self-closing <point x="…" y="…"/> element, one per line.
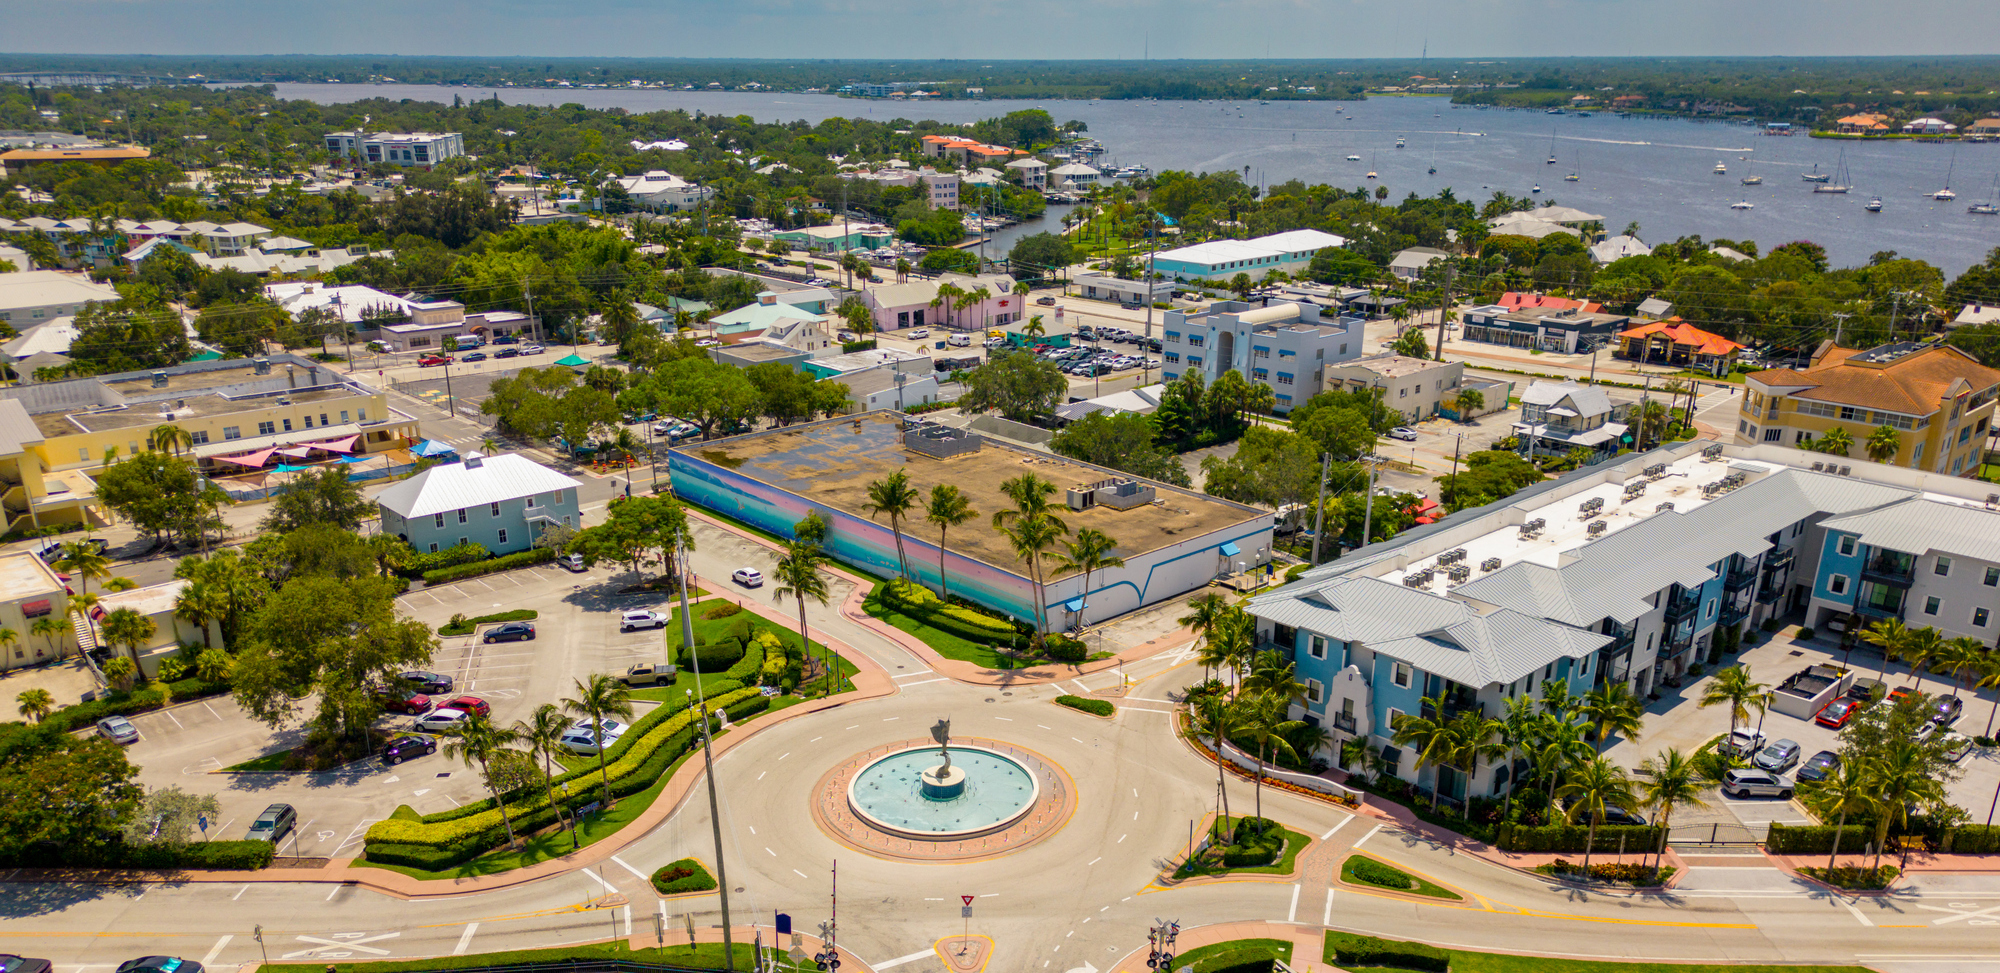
<point x="1052" y="809"/>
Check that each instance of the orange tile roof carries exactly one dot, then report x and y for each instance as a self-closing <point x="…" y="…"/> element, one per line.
<point x="1518" y="301"/>
<point x="1911" y="385"/>
<point x="78" y="155"/>
<point x="1684" y="333"/>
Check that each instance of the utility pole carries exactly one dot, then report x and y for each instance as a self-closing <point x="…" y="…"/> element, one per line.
<point x="1455" y="447"/>
<point x="1368" y="513"/>
<point x="1319" y="509"/>
<point x="707" y="754"/>
<point x="1444" y="309"/>
<point x="1146" y="350"/>
<point x="1839" y="322"/>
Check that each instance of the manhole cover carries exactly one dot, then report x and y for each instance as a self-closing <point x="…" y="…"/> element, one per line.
<point x="739" y="888"/>
<point x="899" y="667"/>
<point x="989" y="699"/>
<point x="1007" y="694"/>
<point x="1796" y="652"/>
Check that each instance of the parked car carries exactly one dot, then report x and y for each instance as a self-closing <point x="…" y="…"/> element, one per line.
<point x="1131" y="305"/>
<point x="574" y="562"/>
<point x="1614" y="814"/>
<point x="439" y="721"/>
<point x="1836" y="714"/>
<point x="1755" y="783"/>
<point x="470" y="704"/>
<point x="274" y="824"/>
<point x="748" y="577"/>
<point x="1820" y="766"/>
<point x="508" y="353"/>
<point x="429" y="360"/>
<point x="848" y="336"/>
<point x="408" y="748"/>
<point x="118" y="729"/>
<point x="581" y="738"/>
<point x="475" y="356"/>
<point x="506" y="339"/>
<point x="995" y="342"/>
<point x="53" y="550"/>
<point x="429" y="682"/>
<point x="511" y="632"/>
<point x="1865" y="691"/>
<point x="1046" y="301"/>
<point x="531" y="349"/>
<point x="10" y="963"/>
<point x="159" y="964"/>
<point x="1778" y="757"/>
<point x="1956" y="746"/>
<point x="996" y="333"/>
<point x="401" y="699"/>
<point x="920" y="333"/>
<point x="649" y="674"/>
<point x="1743" y="742"/>
<point x="641" y="618"/>
<point x="1945" y="710"/>
<point x="1404" y="433"/>
<point x="1899" y="694"/>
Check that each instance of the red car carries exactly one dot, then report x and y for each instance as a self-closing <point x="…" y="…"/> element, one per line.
<point x="1837" y="713"/>
<point x="429" y="360"/>
<point x="397" y="700"/>
<point x="470" y="704"/>
<point x="1899" y="694"/>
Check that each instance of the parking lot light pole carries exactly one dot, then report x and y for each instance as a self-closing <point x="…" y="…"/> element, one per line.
<point x="700" y="702"/>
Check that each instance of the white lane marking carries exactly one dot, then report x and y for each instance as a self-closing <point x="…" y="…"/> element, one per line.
<point x="1080" y="687"/>
<point x="1962" y="910"/>
<point x="900" y="960"/>
<point x="1326" y="915"/>
<point x="1003" y="719"/>
<point x="1045" y="728"/>
<point x="628" y="922"/>
<point x="1150" y="699"/>
<point x="1095" y="861"/>
<point x="342" y="942"/>
<point x="599" y="879"/>
<point x="1336" y="827"/>
<point x="912" y="675"/>
<point x="1864" y="920"/>
<point x="329" y="895"/>
<point x="753" y="828"/>
<point x="891" y="719"/>
<point x="169" y="715"/>
<point x="787" y="754"/>
<point x="1073" y="738"/>
<point x="855" y="726"/>
<point x="1142" y="709"/>
<point x="927" y="682"/>
<point x="1135" y="792"/>
<point x="1292" y="915"/>
<point x="1135" y="815"/>
<point x="801" y="874"/>
<point x="1121" y="839"/>
<point x="1370" y="834"/>
<point x="465" y="939"/>
<point x="642" y="876"/>
<point x="989" y="895"/>
<point x="760" y="774"/>
<point x="815" y="739"/>
<point x="768" y="851"/>
<point x="238" y="895"/>
<point x="215" y="950"/>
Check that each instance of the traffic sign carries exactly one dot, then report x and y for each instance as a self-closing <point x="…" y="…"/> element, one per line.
<point x="965" y="912"/>
<point x="967" y="899"/>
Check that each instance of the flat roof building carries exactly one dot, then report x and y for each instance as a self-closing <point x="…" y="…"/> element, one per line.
<point x="424" y="149"/>
<point x="1283" y="345"/>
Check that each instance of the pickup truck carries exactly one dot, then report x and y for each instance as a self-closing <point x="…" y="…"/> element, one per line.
<point x="645" y="674"/>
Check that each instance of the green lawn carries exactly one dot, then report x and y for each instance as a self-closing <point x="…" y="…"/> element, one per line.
<point x="706" y="629"/>
<point x="1294" y="843"/>
<point x="943" y="643"/>
<point x="707" y="956"/>
<point x="1411" y="883"/>
<point x="269" y="763"/>
<point x="1232" y="952"/>
<point x="1463" y="961"/>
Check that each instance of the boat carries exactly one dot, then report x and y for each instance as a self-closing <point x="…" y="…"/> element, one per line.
<point x="1753" y="180"/>
<point x="1354" y="158"/>
<point x="1552" y="145"/>
<point x="1839" y="182"/>
<point x="1399" y="143"/>
<point x="1721" y="170"/>
<point x="1874" y="205"/>
<point x="1816" y="175"/>
<point x="1945" y="194"/>
<point x="1538" y="188"/>
<point x="1581" y="114"/>
<point x="1371" y="173"/>
<point x="1555" y="111"/>
<point x="1743" y="204"/>
<point x="1572" y="177"/>
<point x="1987" y="208"/>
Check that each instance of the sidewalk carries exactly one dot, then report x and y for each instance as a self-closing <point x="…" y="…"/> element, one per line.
<point x="1308" y="944"/>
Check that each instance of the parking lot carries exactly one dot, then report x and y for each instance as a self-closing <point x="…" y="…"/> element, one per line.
<point x="1676" y="721"/>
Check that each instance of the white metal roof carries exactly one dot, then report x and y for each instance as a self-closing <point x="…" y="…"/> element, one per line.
<point x="453" y="486"/>
<point x="1922" y="525"/>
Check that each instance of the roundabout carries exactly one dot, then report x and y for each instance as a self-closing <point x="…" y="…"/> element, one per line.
<point x="998" y="798"/>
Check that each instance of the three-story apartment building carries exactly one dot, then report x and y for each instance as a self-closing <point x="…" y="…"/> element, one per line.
<point x="1283" y="345"/>
<point x="1937" y="401"/>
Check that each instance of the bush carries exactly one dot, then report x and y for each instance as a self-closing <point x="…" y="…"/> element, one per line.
<point x="1062" y="648"/>
<point x="1788" y="839"/>
<point x="1571" y="838"/>
<point x="1349" y="950"/>
<point x="1254" y="855"/>
<point x="965" y="622"/>
<point x="1095" y="707"/>
<point x="1633" y="872"/>
<point x="720" y="609"/>
<point x="424" y="563"/>
<point x="241" y="856"/>
<point x="1805" y="633"/>
<point x="1238" y="961"/>
<point x="461" y="625"/>
<point x="146" y="698"/>
<point x="714" y="656"/>
<point x="1375" y="873"/>
<point x="519" y="559"/>
<point x="745" y="669"/>
<point x="686" y="875"/>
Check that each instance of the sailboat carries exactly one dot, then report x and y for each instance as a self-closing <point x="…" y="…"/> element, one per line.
<point x="1945" y="194"/>
<point x="1371" y="172"/>
<point x="1573" y="176"/>
<point x="1816" y="175"/>
<point x="1750" y="180"/>
<point x="1434" y="157"/>
<point x="1987" y="208"/>
<point x="1839" y="183"/>
<point x="1742" y="204"/>
<point x="1552" y="143"/>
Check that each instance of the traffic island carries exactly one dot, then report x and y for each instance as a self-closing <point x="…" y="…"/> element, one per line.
<point x="879" y="802"/>
<point x="1241" y="847"/>
<point x="1374" y="874"/>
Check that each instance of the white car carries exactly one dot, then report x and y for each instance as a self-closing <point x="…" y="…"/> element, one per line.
<point x="117" y="729"/>
<point x="581" y="739"/>
<point x="642" y="618"/>
<point x="748" y="577"/>
<point x="959" y="341"/>
<point x="920" y="333"/>
<point x="995" y="342"/>
<point x="440" y="721"/>
<point x="532" y="349"/>
<point x="1404" y="433"/>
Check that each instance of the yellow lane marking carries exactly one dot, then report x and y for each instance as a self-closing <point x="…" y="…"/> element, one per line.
<point x="556" y="911"/>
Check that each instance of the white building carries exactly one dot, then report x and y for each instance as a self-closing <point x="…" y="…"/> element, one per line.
<point x="660" y="190"/>
<point x="1557" y="417"/>
<point x="880" y="388"/>
<point x="1284" y="346"/>
<point x="1415" y="387"/>
<point x="424" y="149"/>
<point x="1073" y="176"/>
<point x="1034" y="173"/>
<point x="943" y="187"/>
<point x="1291" y="252"/>
<point x="1100" y="286"/>
<point x="1409" y="264"/>
<point x="30" y="296"/>
<point x="1618" y="248"/>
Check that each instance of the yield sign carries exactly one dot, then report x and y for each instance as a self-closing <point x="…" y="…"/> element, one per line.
<point x="967" y="898"/>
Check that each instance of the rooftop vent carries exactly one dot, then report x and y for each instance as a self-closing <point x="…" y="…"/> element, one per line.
<point x="260" y="366"/>
<point x="1713" y="452"/>
<point x="474" y="462"/>
<point x="159" y="380"/>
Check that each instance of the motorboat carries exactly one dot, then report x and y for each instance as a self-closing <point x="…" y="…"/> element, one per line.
<point x="1721" y="170"/>
<point x="1753" y="180"/>
<point x="1874" y="205"/>
<point x="1538" y="188"/>
<point x="1945" y="194"/>
<point x="1354" y="158"/>
<point x="1399" y="143"/>
<point x="1742" y="204"/>
<point x="1371" y="173"/>
<point x="1572" y="177"/>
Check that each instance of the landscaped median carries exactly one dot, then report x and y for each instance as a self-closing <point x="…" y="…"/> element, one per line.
<point x="1244" y="846"/>
<point x="1363" y="870"/>
<point x="1352" y="952"/>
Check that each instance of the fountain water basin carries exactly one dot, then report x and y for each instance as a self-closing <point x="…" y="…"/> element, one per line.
<point x="904" y="794"/>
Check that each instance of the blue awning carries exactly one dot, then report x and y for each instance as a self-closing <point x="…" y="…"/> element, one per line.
<point x="1074" y="604"/>
<point x="1229" y="549"/>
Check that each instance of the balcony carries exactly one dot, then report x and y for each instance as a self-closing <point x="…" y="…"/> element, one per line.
<point x="1891" y="568"/>
<point x="1732" y="614"/>
<point x="1779" y="560"/>
<point x="1739" y="577"/>
<point x="1677" y="643"/>
<point x="1768" y="594"/>
<point x="1682" y="608"/>
<point x="1343" y="721"/>
<point x="1880" y="600"/>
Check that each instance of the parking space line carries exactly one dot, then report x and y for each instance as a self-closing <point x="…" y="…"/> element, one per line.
<point x="465" y="940"/>
<point x="169" y="715"/>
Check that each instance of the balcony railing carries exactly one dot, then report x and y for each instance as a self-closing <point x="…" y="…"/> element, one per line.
<point x="1342" y="721"/>
<point x="1739" y="578"/>
<point x="1731" y="614"/>
<point x="1874" y="610"/>
<point x="1889" y="570"/>
<point x="1677" y="644"/>
<point x="1779" y="560"/>
<point x="1680" y="608"/>
<point x="1769" y="594"/>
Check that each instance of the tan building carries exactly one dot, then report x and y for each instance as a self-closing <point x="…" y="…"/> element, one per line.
<point x="1938" y="399"/>
<point x="30" y="591"/>
<point x="155" y="603"/>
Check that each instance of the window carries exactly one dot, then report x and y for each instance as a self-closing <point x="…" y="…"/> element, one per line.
<point x="1173" y="357"/>
<point x="1773" y="435"/>
<point x="1261" y="374"/>
<point x="503" y="535"/>
<point x="461" y="515"/>
<point x="1194" y="360"/>
<point x="288" y="425"/>
<point x="464" y="541"/>
<point x="232" y="432"/>
<point x="494" y="511"/>
<point x="439" y="519"/>
<point x="1402" y="393"/>
<point x="362" y="415"/>
<point x="1837" y="584"/>
<point x="1343" y="349"/>
<point x="309" y="422"/>
<point x="566" y="522"/>
<point x="83" y="453"/>
<point x="1931" y="605"/>
<point x="434" y="547"/>
<point x="1260" y="351"/>
<point x="1174" y="336"/>
<point x="200" y="437"/>
<point x="1979" y="617"/>
<point x="1315" y="693"/>
<point x="1964" y="434"/>
<point x="266" y="428"/>
<point x="531" y="501"/>
<point x="343" y="415"/>
<point x="1196" y="340"/>
<point x="1943" y="567"/>
<point x="1317" y="647"/>
<point x="1992" y="578"/>
<point x="1284" y="378"/>
<point x="1390" y="722"/>
<point x="1846" y="545"/>
<point x="1400" y="674"/>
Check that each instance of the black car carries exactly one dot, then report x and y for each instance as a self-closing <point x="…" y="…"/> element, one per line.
<point x="1945" y="710"/>
<point x="1046" y="301"/>
<point x="1819" y="766"/>
<point x="9" y="963"/>
<point x="1618" y="815"/>
<point x="429" y="682"/>
<point x="506" y="339"/>
<point x="508" y="353"/>
<point x="408" y="748"/>
<point x="159" y="964"/>
<point x="511" y="632"/>
<point x="475" y="356"/>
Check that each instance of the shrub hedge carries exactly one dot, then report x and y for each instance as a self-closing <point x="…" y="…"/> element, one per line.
<point x="1788" y="839"/>
<point x="1238" y="961"/>
<point x="242" y="856"/>
<point x="1970" y="839"/>
<point x="517" y="615"/>
<point x="1375" y="873"/>
<point x="921" y="603"/>
<point x="720" y="609"/>
<point x="1565" y="837"/>
<point x="518" y="559"/>
<point x="1095" y="707"/>
<point x="686" y="875"/>
<point x="143" y="699"/>
<point x="1349" y="950"/>
<point x="424" y="563"/>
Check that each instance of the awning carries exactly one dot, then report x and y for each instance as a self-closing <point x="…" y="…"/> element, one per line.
<point x="1229" y="549"/>
<point x="296" y="452"/>
<point x="342" y="445"/>
<point x="431" y="447"/>
<point x="296" y="437"/>
<point x="254" y="460"/>
<point x="1074" y="604"/>
<point x="33" y="609"/>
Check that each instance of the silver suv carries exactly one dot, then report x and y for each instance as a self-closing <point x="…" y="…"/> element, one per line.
<point x="1756" y="783"/>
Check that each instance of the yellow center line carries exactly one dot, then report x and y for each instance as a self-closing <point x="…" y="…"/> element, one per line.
<point x="556" y="911"/>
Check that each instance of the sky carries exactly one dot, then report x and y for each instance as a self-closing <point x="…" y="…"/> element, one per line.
<point x="1012" y="29"/>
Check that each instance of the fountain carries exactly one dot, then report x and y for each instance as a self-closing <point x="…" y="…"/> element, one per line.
<point x="923" y="794"/>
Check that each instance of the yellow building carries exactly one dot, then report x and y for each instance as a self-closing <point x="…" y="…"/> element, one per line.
<point x="30" y="591"/>
<point x="1938" y="399"/>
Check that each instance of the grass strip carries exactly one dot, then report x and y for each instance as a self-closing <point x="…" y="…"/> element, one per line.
<point x="1467" y="961"/>
<point x="1363" y="870"/>
<point x="1294" y="843"/>
<point x="1233" y="952"/>
<point x="466" y="627"/>
<point x="707" y="956"/>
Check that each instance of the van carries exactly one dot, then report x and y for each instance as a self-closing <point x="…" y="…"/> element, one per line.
<point x="959" y="341"/>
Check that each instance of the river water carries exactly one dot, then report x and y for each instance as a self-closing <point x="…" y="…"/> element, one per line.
<point x="1658" y="172"/>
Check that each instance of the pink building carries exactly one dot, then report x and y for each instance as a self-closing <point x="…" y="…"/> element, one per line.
<point x="905" y="306"/>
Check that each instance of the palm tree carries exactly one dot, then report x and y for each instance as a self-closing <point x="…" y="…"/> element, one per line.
<point x="214" y="665"/>
<point x="1836" y="443"/>
<point x="172" y="438"/>
<point x="1031" y="528"/>
<point x="1230" y="645"/>
<point x="947" y="508"/>
<point x="799" y="577"/>
<point x="120" y="671"/>
<point x="1883" y="445"/>
<point x="80" y="558"/>
<point x="8" y="639"/>
<point x="1430" y="737"/>
<point x="1959" y="657"/>
<point x="1206" y="611"/>
<point x="54" y="629"/>
<point x="1466" y="401"/>
<point x="1847" y="791"/>
<point x="1590" y="789"/>
<point x="1562" y="747"/>
<point x="1221" y="720"/>
<point x="1090" y="552"/>
<point x="200" y="603"/>
<point x="1671" y="781"/>
<point x="1478" y="738"/>
<point x="896" y="497"/>
<point x="602" y="696"/>
<point x="129" y="628"/>
<point x="476" y="742"/>
<point x="1651" y="420"/>
<point x="1034" y="326"/>
<point x="543" y="731"/>
<point x="1734" y="687"/>
<point x="36" y="704"/>
<point x="1518" y="725"/>
<point x="1896" y="780"/>
<point x="1556" y="700"/>
<point x="947" y="294"/>
<point x="1266" y="721"/>
<point x="1989" y="678"/>
<point x="1922" y="646"/>
<point x="1612" y="709"/>
<point x="1891" y="635"/>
